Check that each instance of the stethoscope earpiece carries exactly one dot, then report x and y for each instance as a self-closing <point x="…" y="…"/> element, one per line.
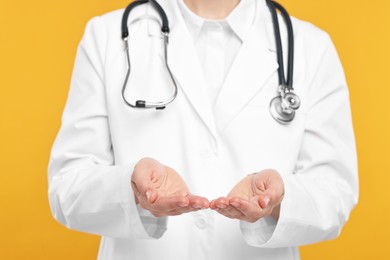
<point x="143" y="104"/>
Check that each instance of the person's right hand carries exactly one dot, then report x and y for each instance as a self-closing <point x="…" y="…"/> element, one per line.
<point x="162" y="191"/>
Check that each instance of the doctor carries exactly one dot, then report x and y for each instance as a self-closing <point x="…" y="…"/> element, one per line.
<point x="213" y="175"/>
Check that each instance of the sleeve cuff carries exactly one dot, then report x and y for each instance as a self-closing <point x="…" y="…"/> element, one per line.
<point x="266" y="232"/>
<point x="141" y="221"/>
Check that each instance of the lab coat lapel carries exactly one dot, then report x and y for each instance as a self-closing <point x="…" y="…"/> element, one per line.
<point x="253" y="66"/>
<point x="186" y="68"/>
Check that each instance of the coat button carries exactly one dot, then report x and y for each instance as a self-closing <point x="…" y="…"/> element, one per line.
<point x="201" y="223"/>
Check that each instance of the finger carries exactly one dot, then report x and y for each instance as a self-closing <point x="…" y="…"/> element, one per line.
<point x="231" y="212"/>
<point x="212" y="205"/>
<point x="166" y="204"/>
<point x="198" y="202"/>
<point x="250" y="209"/>
<point x="220" y="203"/>
<point x="201" y="203"/>
<point x="182" y="210"/>
<point x="157" y="212"/>
<point x="176" y="212"/>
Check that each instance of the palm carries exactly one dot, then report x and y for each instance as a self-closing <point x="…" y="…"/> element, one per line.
<point x="246" y="189"/>
<point x="254" y="197"/>
<point x="169" y="183"/>
<point x="162" y="191"/>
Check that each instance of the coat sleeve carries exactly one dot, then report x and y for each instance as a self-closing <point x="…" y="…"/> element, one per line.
<point x="323" y="190"/>
<point x="87" y="191"/>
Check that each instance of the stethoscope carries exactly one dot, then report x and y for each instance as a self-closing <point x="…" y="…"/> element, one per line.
<point x="282" y="107"/>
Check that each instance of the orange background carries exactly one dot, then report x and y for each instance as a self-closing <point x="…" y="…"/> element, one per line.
<point x="38" y="41"/>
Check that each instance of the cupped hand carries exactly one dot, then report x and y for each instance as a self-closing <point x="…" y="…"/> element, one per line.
<point x="162" y="191"/>
<point x="256" y="196"/>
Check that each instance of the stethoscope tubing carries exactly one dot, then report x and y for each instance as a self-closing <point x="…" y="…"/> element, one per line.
<point x="282" y="107"/>
<point x="130" y="7"/>
<point x="288" y="83"/>
<point x="165" y="32"/>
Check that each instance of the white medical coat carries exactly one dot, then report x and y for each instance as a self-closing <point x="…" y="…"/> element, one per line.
<point x="212" y="147"/>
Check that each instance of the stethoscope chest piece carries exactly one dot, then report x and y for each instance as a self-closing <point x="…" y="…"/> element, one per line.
<point x="277" y="112"/>
<point x="282" y="108"/>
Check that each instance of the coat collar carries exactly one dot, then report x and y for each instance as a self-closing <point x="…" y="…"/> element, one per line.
<point x="239" y="20"/>
<point x="254" y="64"/>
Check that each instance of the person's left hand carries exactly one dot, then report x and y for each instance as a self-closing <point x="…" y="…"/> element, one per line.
<point x="256" y="196"/>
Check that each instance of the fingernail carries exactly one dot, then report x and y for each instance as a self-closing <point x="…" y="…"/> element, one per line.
<point x="196" y="206"/>
<point x="221" y="206"/>
<point x="235" y="204"/>
<point x="182" y="204"/>
<point x="266" y="200"/>
<point x="148" y="194"/>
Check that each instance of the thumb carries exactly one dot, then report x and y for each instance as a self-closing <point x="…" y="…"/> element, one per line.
<point x="143" y="182"/>
<point x="264" y="200"/>
<point x="270" y="188"/>
<point x="269" y="180"/>
<point x="143" y="189"/>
